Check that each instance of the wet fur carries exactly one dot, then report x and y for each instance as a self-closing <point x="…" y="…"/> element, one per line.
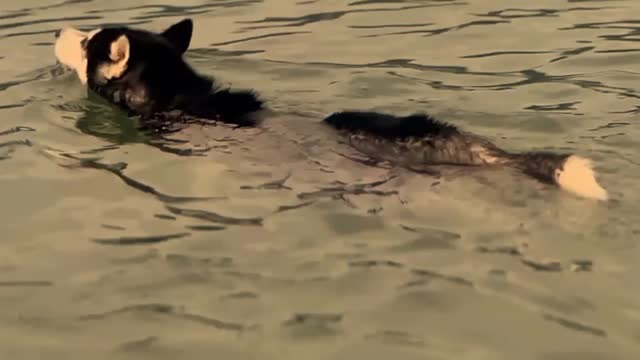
<point x="155" y="82"/>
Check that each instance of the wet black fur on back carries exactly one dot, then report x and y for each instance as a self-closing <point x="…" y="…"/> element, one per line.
<point x="390" y="126"/>
<point x="158" y="79"/>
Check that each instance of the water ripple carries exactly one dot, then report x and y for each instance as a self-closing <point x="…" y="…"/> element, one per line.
<point x="440" y="31"/>
<point x="515" y="13"/>
<point x="318" y="17"/>
<point x="168" y="311"/>
<point x="573" y="325"/>
<point x="140" y="240"/>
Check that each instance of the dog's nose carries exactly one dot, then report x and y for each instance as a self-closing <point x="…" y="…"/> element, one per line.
<point x="57" y="33"/>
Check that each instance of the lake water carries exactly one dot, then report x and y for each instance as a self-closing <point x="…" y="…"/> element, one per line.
<point x="275" y="243"/>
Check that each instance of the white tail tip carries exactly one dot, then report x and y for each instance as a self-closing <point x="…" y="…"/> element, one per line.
<point x="577" y="176"/>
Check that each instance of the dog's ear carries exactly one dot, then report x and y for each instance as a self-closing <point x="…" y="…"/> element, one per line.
<point x="179" y="34"/>
<point x="120" y="50"/>
<point x="119" y="55"/>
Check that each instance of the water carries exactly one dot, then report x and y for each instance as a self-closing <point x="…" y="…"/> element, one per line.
<point x="228" y="248"/>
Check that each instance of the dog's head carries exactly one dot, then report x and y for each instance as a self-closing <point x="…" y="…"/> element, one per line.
<point x="101" y="55"/>
<point x="145" y="72"/>
<point x="140" y="70"/>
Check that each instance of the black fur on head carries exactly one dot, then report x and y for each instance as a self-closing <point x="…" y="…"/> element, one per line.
<point x="145" y="73"/>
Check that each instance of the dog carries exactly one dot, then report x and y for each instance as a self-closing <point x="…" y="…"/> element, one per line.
<point x="145" y="73"/>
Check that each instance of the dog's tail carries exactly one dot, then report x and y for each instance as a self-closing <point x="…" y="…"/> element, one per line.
<point x="420" y="140"/>
<point x="570" y="172"/>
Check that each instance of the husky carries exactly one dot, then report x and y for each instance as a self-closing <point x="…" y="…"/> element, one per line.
<point x="145" y="73"/>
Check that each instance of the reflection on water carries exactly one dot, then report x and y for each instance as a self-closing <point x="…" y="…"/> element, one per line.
<point x="281" y="242"/>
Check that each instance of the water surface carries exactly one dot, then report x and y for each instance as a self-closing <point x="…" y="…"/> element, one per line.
<point x="276" y="243"/>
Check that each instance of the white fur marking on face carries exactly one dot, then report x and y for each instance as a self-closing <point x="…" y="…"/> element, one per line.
<point x="68" y="50"/>
<point x="119" y="55"/>
<point x="578" y="177"/>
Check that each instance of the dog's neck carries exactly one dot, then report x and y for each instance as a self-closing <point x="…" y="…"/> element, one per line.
<point x="200" y="96"/>
<point x="192" y="91"/>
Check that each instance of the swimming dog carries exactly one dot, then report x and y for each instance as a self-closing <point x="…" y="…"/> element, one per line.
<point x="145" y="73"/>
